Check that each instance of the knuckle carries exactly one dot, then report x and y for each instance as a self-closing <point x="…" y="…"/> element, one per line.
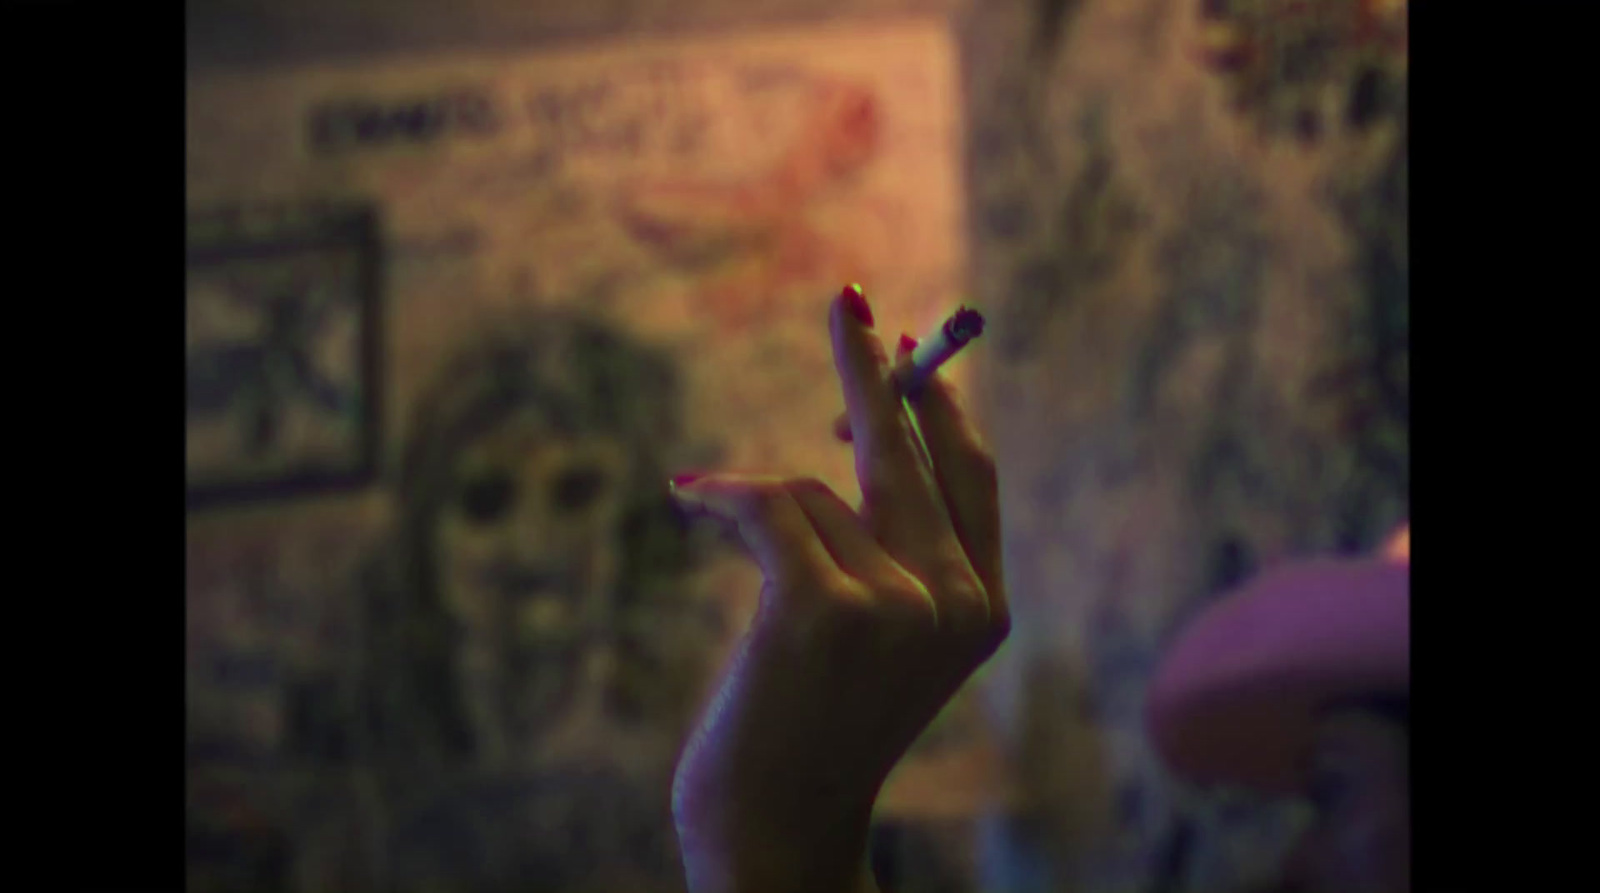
<point x="842" y="592"/>
<point x="846" y="611"/>
<point x="762" y="500"/>
<point x="877" y="352"/>
<point x="999" y="627"/>
<point x="966" y="617"/>
<point x="876" y="488"/>
<point x="964" y="603"/>
<point x="893" y="459"/>
<point x="819" y="606"/>
<point x="896" y="604"/>
<point x="984" y="467"/>
<point x="905" y="592"/>
<point x="965" y="592"/>
<point x="889" y="428"/>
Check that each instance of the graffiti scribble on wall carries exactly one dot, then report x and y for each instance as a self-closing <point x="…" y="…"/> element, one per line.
<point x="269" y="621"/>
<point x="752" y="234"/>
<point x="1305" y="67"/>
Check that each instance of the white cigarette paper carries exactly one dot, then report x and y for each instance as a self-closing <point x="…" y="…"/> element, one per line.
<point x="930" y="353"/>
<point x="937" y="349"/>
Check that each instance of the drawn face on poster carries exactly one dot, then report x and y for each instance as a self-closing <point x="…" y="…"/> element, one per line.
<point x="526" y="548"/>
<point x="538" y="557"/>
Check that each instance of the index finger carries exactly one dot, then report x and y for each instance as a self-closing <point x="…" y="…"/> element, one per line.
<point x="772" y="524"/>
<point x="904" y="508"/>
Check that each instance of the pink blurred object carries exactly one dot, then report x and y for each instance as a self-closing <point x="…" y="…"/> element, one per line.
<point x="1237" y="696"/>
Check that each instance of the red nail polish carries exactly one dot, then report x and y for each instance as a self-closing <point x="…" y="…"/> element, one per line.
<point x="907" y="343"/>
<point x="688" y="477"/>
<point x="856" y="303"/>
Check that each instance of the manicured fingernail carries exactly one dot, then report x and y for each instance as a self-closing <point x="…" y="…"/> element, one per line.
<point x="841" y="429"/>
<point x="686" y="499"/>
<point x="856" y="303"/>
<point x="907" y="344"/>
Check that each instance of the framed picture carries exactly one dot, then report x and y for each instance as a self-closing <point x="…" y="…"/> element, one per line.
<point x="281" y="351"/>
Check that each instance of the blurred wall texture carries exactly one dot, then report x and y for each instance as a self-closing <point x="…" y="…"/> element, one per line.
<point x="467" y="281"/>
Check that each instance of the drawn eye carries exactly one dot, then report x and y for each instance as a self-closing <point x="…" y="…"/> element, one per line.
<point x="487" y="497"/>
<point x="576" y="488"/>
<point x="1367" y="97"/>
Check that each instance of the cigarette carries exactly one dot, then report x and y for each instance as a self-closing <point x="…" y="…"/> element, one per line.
<point x="914" y="370"/>
<point x="934" y="351"/>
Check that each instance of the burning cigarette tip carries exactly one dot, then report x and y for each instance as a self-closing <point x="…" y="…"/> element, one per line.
<point x="966" y="324"/>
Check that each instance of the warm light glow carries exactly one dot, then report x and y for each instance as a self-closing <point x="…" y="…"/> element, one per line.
<point x="1398" y="548"/>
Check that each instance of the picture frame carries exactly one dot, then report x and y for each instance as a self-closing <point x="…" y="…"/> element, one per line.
<point x="282" y="351"/>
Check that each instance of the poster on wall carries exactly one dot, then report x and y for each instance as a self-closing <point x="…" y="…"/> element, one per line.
<point x="467" y="316"/>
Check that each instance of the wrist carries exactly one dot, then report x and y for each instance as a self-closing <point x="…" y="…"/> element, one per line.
<point x="777" y="845"/>
<point x="774" y="862"/>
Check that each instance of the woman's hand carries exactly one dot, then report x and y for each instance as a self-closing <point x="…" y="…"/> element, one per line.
<point x="868" y="623"/>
